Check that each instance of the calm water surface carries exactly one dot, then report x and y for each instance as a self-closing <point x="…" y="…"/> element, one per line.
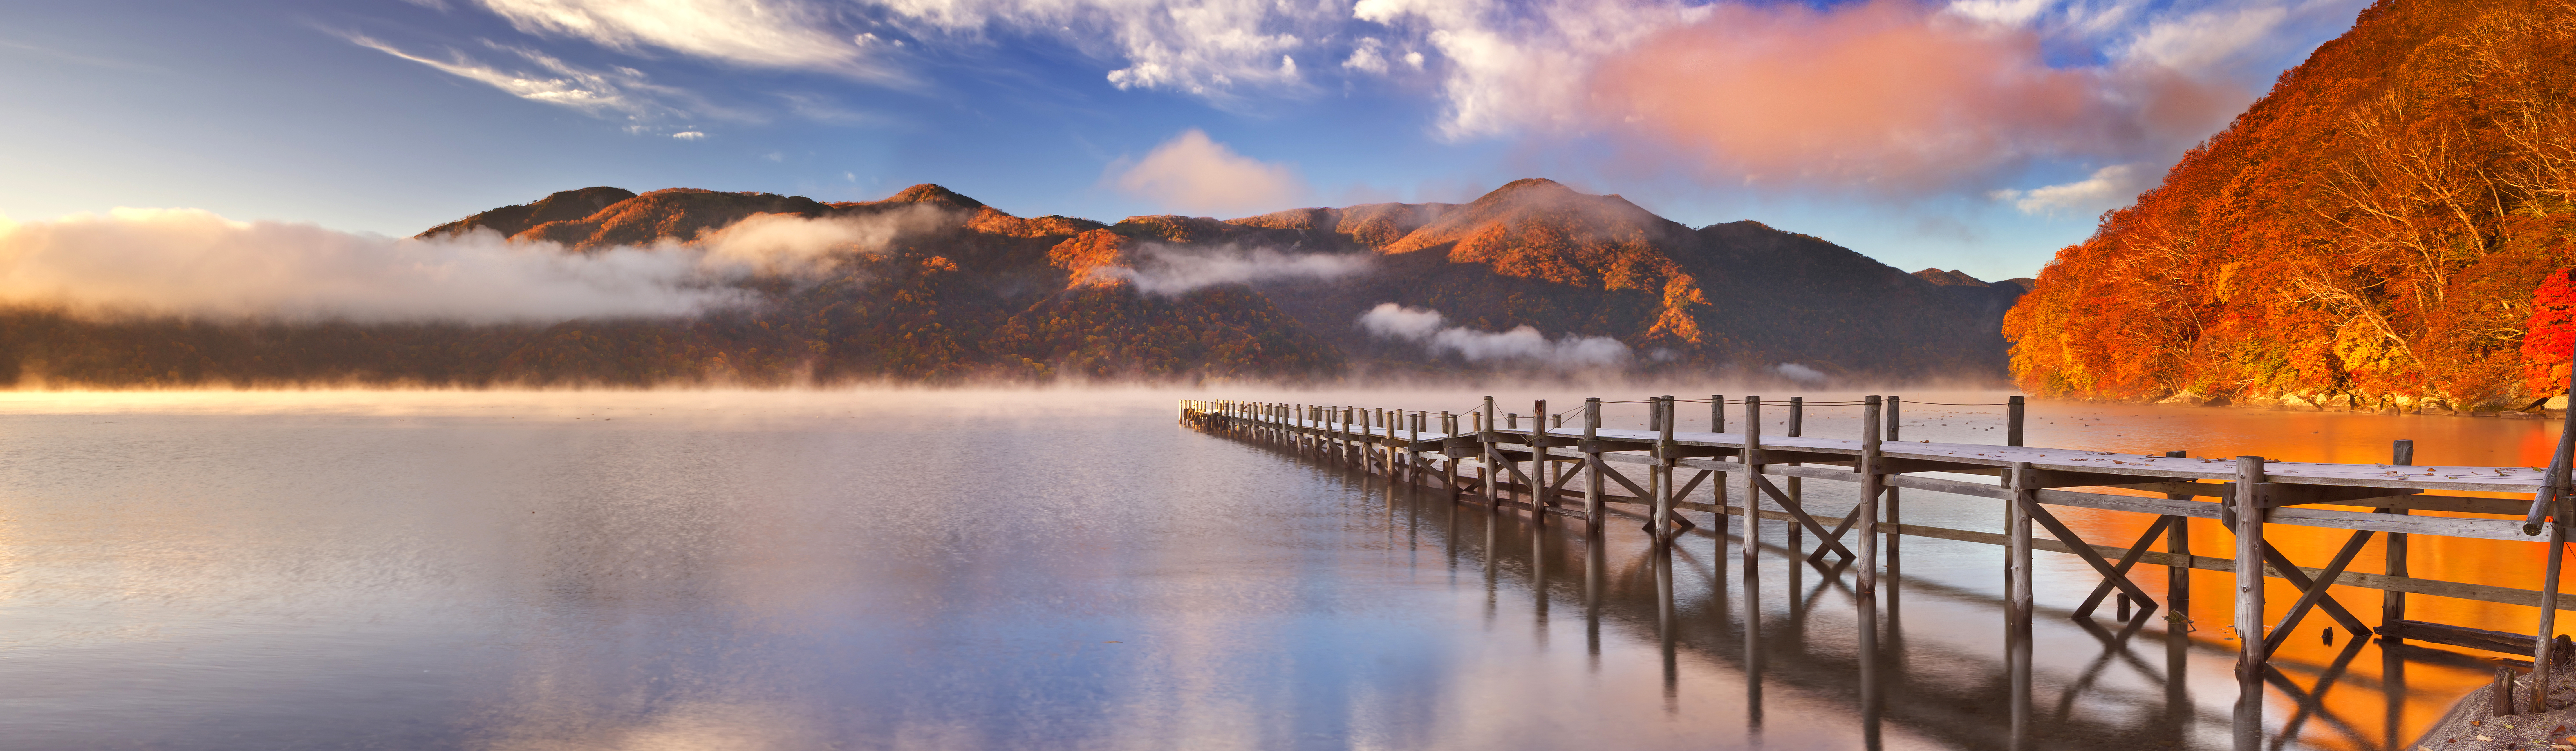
<point x="1062" y="570"/>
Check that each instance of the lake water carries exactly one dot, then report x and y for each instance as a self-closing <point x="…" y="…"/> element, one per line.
<point x="1063" y="570"/>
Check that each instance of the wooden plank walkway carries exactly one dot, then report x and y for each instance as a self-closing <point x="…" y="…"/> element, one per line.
<point x="1487" y="459"/>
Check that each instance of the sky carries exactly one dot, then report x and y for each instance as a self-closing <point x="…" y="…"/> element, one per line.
<point x="1980" y="135"/>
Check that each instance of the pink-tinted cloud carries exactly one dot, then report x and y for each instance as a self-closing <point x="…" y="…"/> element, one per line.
<point x="1889" y="95"/>
<point x="1193" y="173"/>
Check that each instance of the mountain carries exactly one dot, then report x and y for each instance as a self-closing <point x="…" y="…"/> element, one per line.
<point x="961" y="290"/>
<point x="2368" y="235"/>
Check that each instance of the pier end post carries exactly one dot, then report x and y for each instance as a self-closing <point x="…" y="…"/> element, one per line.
<point x="2250" y="515"/>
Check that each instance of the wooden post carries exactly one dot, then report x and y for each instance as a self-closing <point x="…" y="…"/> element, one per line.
<point x="1662" y="524"/>
<point x="2177" y="578"/>
<point x="1752" y="556"/>
<point x="2545" y="637"/>
<point x="1591" y="448"/>
<point x="1871" y="481"/>
<point x="2017" y="597"/>
<point x="2013" y="421"/>
<point x="1448" y="456"/>
<point x="1892" y="409"/>
<point x="1752" y="460"/>
<point x="1541" y="496"/>
<point x="2392" y="603"/>
<point x="1413" y="449"/>
<point x="1717" y="485"/>
<point x="1485" y="434"/>
<point x="1797" y="490"/>
<point x="2250" y="515"/>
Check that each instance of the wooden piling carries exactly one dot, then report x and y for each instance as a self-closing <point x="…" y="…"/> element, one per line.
<point x="2017" y="596"/>
<point x="1492" y="458"/>
<point x="2544" y="640"/>
<point x="2013" y="421"/>
<point x="1752" y="555"/>
<point x="1717" y="485"/>
<point x="1797" y="489"/>
<point x="1543" y="494"/>
<point x="2392" y="603"/>
<point x="1662" y="524"/>
<point x="2250" y="515"/>
<point x="1591" y="448"/>
<point x="1872" y="482"/>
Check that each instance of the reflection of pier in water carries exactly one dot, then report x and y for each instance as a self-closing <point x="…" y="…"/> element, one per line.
<point x="1953" y="704"/>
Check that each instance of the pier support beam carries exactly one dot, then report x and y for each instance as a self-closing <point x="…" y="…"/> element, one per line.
<point x="2250" y="514"/>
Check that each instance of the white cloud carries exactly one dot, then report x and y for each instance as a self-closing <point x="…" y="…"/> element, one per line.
<point x="191" y="262"/>
<point x="1208" y="48"/>
<point x="2206" y="41"/>
<point x="2006" y="12"/>
<point x="2109" y="188"/>
<point x="1518" y="68"/>
<point x="1392" y="321"/>
<point x="1193" y="174"/>
<point x="689" y="135"/>
<point x="756" y="33"/>
<point x="1367" y="57"/>
<point x="1167" y="270"/>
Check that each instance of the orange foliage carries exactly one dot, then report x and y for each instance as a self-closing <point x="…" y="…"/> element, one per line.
<point x="2373" y="228"/>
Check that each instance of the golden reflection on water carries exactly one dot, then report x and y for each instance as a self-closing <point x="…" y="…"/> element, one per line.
<point x="652" y="517"/>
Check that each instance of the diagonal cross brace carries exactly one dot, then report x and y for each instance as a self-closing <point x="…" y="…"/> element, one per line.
<point x="2273" y="558"/>
<point x="1797" y="510"/>
<point x="1849" y="519"/>
<point x="2030" y="505"/>
<point x="1687" y="487"/>
<point x="2145" y="541"/>
<point x="1605" y="470"/>
<point x="2310" y="595"/>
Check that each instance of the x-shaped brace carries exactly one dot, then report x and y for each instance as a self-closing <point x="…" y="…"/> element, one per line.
<point x="2313" y="593"/>
<point x="2030" y="505"/>
<point x="1799" y="511"/>
<point x="1849" y="519"/>
<point x="2121" y="571"/>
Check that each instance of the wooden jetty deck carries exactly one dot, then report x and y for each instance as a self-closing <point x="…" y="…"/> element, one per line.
<point x="1576" y="474"/>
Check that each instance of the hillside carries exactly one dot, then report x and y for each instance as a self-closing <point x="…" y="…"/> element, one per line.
<point x="2369" y="234"/>
<point x="963" y="291"/>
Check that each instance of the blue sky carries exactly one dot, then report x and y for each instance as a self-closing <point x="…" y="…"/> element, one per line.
<point x="1979" y="134"/>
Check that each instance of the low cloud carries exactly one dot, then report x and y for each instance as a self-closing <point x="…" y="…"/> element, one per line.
<point x="1169" y="270"/>
<point x="1196" y="175"/>
<point x="193" y="263"/>
<point x="1800" y="373"/>
<point x="688" y="135"/>
<point x="2109" y="188"/>
<point x="1392" y="321"/>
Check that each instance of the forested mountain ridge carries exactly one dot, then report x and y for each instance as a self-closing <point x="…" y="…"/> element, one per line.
<point x="2369" y="234"/>
<point x="957" y="290"/>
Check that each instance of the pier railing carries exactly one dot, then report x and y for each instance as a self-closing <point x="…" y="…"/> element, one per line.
<point x="1493" y="460"/>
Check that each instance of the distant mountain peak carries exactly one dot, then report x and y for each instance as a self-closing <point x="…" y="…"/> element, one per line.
<point x="1951" y="278"/>
<point x="933" y="193"/>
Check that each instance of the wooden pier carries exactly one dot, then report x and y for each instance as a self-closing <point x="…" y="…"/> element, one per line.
<point x="1577" y="474"/>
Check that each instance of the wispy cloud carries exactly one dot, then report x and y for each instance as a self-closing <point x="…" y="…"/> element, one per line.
<point x="616" y="91"/>
<point x="754" y="33"/>
<point x="1194" y="174"/>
